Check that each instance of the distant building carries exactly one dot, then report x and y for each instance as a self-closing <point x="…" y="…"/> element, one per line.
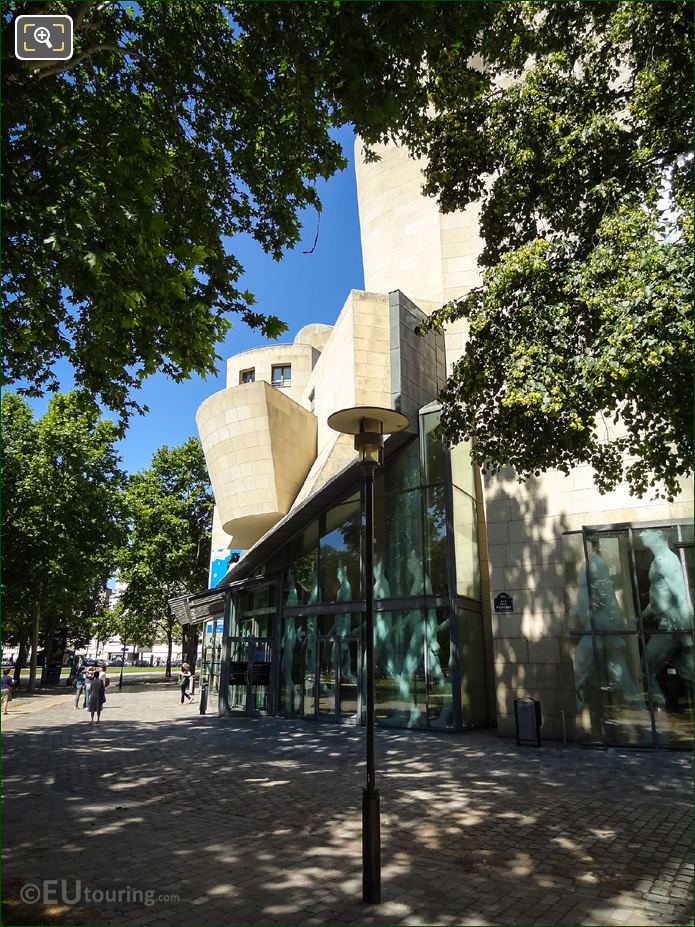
<point x="155" y="654"/>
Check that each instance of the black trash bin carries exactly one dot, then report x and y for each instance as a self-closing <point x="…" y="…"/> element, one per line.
<point x="527" y="715"/>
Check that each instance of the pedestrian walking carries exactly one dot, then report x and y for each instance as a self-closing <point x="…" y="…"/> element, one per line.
<point x="97" y="696"/>
<point x="185" y="683"/>
<point x="88" y="680"/>
<point x="75" y="667"/>
<point x="7" y="683"/>
<point x="80" y="687"/>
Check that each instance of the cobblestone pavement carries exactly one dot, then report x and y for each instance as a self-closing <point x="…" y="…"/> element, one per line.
<point x="257" y="821"/>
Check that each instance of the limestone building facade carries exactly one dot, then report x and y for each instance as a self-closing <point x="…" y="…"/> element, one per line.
<point x="493" y="590"/>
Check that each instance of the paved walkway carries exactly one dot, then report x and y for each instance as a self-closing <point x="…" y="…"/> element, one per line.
<point x="161" y="816"/>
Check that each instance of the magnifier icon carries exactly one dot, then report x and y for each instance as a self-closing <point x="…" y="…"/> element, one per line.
<point x="43" y="35"/>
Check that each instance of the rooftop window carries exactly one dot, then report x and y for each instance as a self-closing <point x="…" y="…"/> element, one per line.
<point x="281" y="375"/>
<point x="247" y="376"/>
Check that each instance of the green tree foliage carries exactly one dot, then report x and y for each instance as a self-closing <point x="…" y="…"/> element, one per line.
<point x="573" y="127"/>
<point x="178" y="124"/>
<point x="115" y="620"/>
<point x="169" y="509"/>
<point x="126" y="169"/>
<point x="175" y="126"/>
<point x="62" y="516"/>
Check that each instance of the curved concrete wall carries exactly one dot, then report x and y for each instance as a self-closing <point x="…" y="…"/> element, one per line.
<point x="259" y="446"/>
<point x="316" y="334"/>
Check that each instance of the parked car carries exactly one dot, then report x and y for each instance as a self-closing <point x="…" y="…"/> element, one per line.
<point x="116" y="661"/>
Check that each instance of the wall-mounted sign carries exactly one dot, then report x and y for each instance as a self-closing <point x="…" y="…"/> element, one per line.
<point x="504" y="602"/>
<point x="222" y="559"/>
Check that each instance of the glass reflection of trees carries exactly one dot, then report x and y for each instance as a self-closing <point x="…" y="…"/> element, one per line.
<point x="413" y="653"/>
<point x="629" y="617"/>
<point x="324" y="561"/>
<point x="301" y="584"/>
<point x="413" y="668"/>
<point x="339" y="552"/>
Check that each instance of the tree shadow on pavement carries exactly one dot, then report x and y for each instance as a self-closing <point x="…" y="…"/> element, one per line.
<point x="257" y="821"/>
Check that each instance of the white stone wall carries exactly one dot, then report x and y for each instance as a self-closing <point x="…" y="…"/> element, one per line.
<point x="399" y="228"/>
<point x="407" y="244"/>
<point x="315" y="334"/>
<point x="333" y="377"/>
<point x="461" y="246"/>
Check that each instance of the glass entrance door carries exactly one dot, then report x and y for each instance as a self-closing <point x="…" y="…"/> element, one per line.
<point x="259" y="696"/>
<point x="348" y="679"/>
<point x="338" y="696"/>
<point x="239" y="655"/>
<point x="326" y="679"/>
<point x="249" y="674"/>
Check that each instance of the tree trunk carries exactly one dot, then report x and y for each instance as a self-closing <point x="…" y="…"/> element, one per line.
<point x="21" y="658"/>
<point x="34" y="646"/>
<point x="47" y="653"/>
<point x="170" y="644"/>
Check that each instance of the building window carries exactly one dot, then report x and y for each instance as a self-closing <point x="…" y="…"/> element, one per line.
<point x="282" y="375"/>
<point x="312" y="403"/>
<point x="248" y="376"/>
<point x="628" y="594"/>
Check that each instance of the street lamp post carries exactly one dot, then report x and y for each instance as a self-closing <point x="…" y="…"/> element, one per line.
<point x="369" y="424"/>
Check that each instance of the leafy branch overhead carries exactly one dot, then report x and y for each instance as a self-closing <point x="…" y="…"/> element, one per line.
<point x="130" y="169"/>
<point x="126" y="171"/>
<point x="577" y="138"/>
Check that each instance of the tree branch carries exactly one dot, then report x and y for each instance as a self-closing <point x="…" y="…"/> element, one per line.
<point x="79" y="11"/>
<point x="88" y="52"/>
<point x="310" y="251"/>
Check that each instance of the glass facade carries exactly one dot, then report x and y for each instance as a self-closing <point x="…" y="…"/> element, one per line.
<point x="296" y="643"/>
<point x="250" y="649"/>
<point x="629" y="634"/>
<point x="339" y="554"/>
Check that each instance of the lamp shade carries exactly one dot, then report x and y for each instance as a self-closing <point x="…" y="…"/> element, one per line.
<point x="368" y="418"/>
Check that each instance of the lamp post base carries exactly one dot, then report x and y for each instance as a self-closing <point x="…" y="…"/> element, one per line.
<point x="371" y="847"/>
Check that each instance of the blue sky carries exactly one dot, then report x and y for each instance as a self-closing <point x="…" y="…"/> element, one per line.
<point x="301" y="288"/>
